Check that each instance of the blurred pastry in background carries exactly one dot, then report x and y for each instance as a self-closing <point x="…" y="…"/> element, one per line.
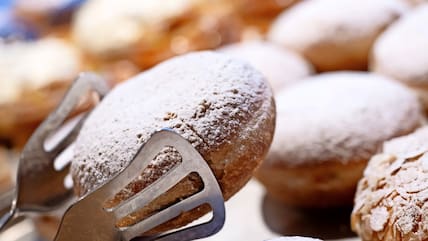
<point x="49" y="16"/>
<point x="294" y="238"/>
<point x="33" y="78"/>
<point x="147" y="32"/>
<point x="401" y="52"/>
<point x="12" y="28"/>
<point x="280" y="66"/>
<point x="335" y="34"/>
<point x="5" y="172"/>
<point x="327" y="128"/>
<point x="416" y="2"/>
<point x="391" y="201"/>
<point x="257" y="14"/>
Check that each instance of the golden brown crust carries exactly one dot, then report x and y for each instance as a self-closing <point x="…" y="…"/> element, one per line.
<point x="328" y="185"/>
<point x="5" y="172"/>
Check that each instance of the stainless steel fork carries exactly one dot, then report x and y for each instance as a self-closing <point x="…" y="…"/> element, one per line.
<point x="88" y="220"/>
<point x="39" y="186"/>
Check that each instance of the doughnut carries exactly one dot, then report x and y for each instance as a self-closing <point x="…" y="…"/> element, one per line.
<point x="336" y="34"/>
<point x="222" y="106"/>
<point x="147" y="32"/>
<point x="33" y="78"/>
<point x="400" y="52"/>
<point x="328" y="127"/>
<point x="391" y="199"/>
<point x="280" y="66"/>
<point x="294" y="238"/>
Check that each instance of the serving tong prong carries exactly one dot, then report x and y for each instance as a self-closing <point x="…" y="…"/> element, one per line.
<point x="39" y="186"/>
<point x="89" y="220"/>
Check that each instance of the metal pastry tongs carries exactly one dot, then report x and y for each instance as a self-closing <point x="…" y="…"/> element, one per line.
<point x="40" y="185"/>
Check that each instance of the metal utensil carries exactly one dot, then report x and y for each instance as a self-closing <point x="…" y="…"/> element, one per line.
<point x="39" y="186"/>
<point x="87" y="220"/>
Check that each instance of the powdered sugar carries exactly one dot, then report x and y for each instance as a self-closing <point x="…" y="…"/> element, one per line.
<point x="340" y="117"/>
<point x="317" y="21"/>
<point x="401" y="53"/>
<point x="205" y="97"/>
<point x="281" y="67"/>
<point x="400" y="212"/>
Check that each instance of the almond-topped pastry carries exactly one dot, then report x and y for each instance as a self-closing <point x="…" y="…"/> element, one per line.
<point x="335" y="34"/>
<point x="391" y="201"/>
<point x="400" y="52"/>
<point x="150" y="31"/>
<point x="222" y="106"/>
<point x="328" y="127"/>
<point x="33" y="78"/>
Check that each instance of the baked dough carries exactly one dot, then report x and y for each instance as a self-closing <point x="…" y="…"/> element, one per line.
<point x="222" y="106"/>
<point x="391" y="201"/>
<point x="335" y="34"/>
<point x="400" y="52"/>
<point x="280" y="66"/>
<point x="33" y="78"/>
<point x="328" y="127"/>
<point x="147" y="32"/>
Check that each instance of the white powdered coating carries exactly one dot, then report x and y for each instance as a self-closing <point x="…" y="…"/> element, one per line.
<point x="341" y="117"/>
<point x="335" y="21"/>
<point x="33" y="65"/>
<point x="206" y="97"/>
<point x="401" y="51"/>
<point x="106" y="26"/>
<point x="294" y="238"/>
<point x="391" y="201"/>
<point x="281" y="67"/>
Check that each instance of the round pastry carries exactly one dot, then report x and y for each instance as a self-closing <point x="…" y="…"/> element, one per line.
<point x="150" y="31"/>
<point x="294" y="238"/>
<point x="336" y="34"/>
<point x="280" y="66"/>
<point x="391" y="200"/>
<point x="328" y="127"/>
<point x="407" y="62"/>
<point x="33" y="78"/>
<point x="222" y="106"/>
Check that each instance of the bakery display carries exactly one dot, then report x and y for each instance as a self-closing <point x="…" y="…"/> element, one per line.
<point x="280" y="66"/>
<point x="337" y="34"/>
<point x="390" y="203"/>
<point x="33" y="78"/>
<point x="328" y="127"/>
<point x="223" y="106"/>
<point x="147" y="32"/>
<point x="400" y="52"/>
